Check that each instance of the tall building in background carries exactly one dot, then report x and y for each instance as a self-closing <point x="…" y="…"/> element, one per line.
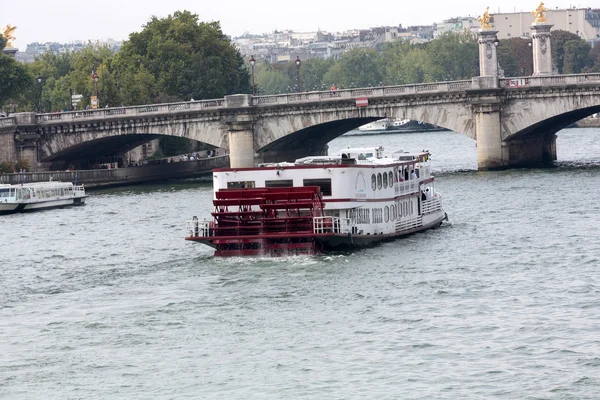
<point x="584" y="22"/>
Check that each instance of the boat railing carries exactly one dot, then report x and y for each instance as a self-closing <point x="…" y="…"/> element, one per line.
<point x="432" y="205"/>
<point x="409" y="186"/>
<point x="408" y="224"/>
<point x="195" y="228"/>
<point x="331" y="225"/>
<point x="78" y="189"/>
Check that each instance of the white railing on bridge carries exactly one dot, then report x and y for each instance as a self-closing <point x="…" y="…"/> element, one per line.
<point x="549" y="80"/>
<point x="7" y="121"/>
<point x="119" y="112"/>
<point x="381" y="91"/>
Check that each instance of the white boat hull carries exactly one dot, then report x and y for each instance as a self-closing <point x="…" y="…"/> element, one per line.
<point x="10" y="208"/>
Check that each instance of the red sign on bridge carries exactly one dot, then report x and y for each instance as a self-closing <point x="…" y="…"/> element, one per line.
<point x="362" y="101"/>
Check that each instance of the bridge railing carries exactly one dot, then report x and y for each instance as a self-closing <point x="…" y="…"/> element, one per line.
<point x="380" y="91"/>
<point x="7" y="121"/>
<point x="549" y="80"/>
<point x="103" y="113"/>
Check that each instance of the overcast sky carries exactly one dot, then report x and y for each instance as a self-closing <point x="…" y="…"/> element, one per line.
<point x="66" y="21"/>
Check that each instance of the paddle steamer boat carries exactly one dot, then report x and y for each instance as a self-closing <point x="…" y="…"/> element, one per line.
<point x="317" y="204"/>
<point x="39" y="196"/>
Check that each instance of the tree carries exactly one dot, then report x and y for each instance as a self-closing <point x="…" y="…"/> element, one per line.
<point x="558" y="40"/>
<point x="14" y="77"/>
<point x="356" y="68"/>
<point x="452" y="56"/>
<point x="270" y="81"/>
<point x="312" y="73"/>
<point x="576" y="57"/>
<point x="187" y="58"/>
<point x="515" y="57"/>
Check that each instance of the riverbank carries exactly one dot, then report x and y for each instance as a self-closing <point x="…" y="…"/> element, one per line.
<point x="102" y="178"/>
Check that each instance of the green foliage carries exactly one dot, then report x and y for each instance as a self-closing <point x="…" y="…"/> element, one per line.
<point x="6" y="167"/>
<point x="452" y="56"/>
<point x="356" y="68"/>
<point x="186" y="58"/>
<point x="21" y="165"/>
<point x="558" y="40"/>
<point x="577" y="57"/>
<point x="515" y="57"/>
<point x="14" y="78"/>
<point x="271" y="81"/>
<point x="312" y="73"/>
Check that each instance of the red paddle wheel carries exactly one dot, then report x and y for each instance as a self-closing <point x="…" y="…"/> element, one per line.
<point x="263" y="222"/>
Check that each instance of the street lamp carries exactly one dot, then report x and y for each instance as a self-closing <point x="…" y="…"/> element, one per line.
<point x="39" y="81"/>
<point x="298" y="62"/>
<point x="252" y="62"/>
<point x="96" y="88"/>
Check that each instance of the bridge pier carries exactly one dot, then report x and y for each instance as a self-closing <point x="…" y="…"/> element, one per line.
<point x="241" y="144"/>
<point x="539" y="150"/>
<point x="491" y="154"/>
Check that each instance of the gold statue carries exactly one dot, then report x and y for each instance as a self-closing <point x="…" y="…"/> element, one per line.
<point x="8" y="35"/>
<point x="539" y="13"/>
<point x="485" y="20"/>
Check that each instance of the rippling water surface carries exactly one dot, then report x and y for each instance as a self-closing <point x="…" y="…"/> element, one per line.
<point x="108" y="301"/>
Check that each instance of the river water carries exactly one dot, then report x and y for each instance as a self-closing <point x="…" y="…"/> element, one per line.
<point x="107" y="301"/>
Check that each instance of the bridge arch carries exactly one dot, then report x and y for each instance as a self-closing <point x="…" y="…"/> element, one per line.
<point x="287" y="136"/>
<point x="76" y="141"/>
<point x="544" y="113"/>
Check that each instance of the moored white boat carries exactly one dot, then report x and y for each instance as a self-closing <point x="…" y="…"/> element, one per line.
<point x="320" y="203"/>
<point x="39" y="195"/>
<point x="379" y="125"/>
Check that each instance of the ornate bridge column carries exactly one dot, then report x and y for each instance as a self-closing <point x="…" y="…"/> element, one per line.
<point x="491" y="151"/>
<point x="240" y="132"/>
<point x="488" y="61"/>
<point x="542" y="57"/>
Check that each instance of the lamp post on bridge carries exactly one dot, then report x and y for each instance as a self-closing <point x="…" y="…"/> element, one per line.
<point x="96" y="89"/>
<point x="298" y="62"/>
<point x="252" y="62"/>
<point x="39" y="81"/>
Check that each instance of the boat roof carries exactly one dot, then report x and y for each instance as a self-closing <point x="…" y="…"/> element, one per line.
<point x="357" y="156"/>
<point x="37" y="185"/>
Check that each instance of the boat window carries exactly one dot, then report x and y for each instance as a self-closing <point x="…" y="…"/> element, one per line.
<point x="396" y="174"/>
<point x="391" y="178"/>
<point x="385" y="180"/>
<point x="280" y="183"/>
<point x="386" y="214"/>
<point x="379" y="181"/>
<point x="392" y="212"/>
<point x="19" y="195"/>
<point x="411" y="208"/>
<point x="4" y="192"/>
<point x="373" y="182"/>
<point x="323" y="184"/>
<point x="240" y="185"/>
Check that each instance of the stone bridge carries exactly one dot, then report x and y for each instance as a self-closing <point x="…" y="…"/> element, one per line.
<point x="513" y="120"/>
